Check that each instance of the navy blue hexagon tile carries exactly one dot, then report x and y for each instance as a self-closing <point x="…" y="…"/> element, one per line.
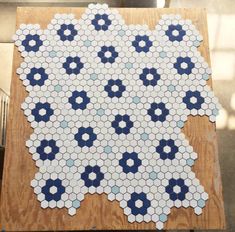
<point x="107" y="102"/>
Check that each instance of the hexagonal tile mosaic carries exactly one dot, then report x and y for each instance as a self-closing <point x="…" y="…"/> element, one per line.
<point x="107" y="102"/>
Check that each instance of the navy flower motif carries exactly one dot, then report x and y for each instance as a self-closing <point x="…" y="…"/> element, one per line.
<point x="67" y="32"/>
<point x="184" y="65"/>
<point x="130" y="162"/>
<point x="92" y="176"/>
<point x="175" y="33"/>
<point x="142" y="43"/>
<point x="158" y="112"/>
<point x="73" y="65"/>
<point x="139" y="203"/>
<point x="167" y="149"/>
<point x="177" y="189"/>
<point x="107" y="54"/>
<point x="101" y="22"/>
<point x="79" y="100"/>
<point x="47" y="149"/>
<point x="149" y="76"/>
<point x="53" y="190"/>
<point x="37" y="76"/>
<point x="193" y="100"/>
<point x="32" y="43"/>
<point x="42" y="112"/>
<point x="85" y="137"/>
<point x="118" y="124"/>
<point x="115" y="88"/>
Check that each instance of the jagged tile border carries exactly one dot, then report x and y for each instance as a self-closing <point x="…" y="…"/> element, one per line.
<point x="107" y="102"/>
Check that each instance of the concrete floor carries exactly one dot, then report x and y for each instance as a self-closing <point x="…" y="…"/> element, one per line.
<point x="221" y="27"/>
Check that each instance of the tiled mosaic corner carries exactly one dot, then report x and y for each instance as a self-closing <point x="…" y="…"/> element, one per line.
<point x="107" y="102"/>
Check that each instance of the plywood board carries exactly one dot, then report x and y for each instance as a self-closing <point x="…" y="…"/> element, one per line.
<point x="20" y="209"/>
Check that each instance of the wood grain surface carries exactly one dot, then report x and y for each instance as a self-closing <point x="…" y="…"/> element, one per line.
<point x="20" y="210"/>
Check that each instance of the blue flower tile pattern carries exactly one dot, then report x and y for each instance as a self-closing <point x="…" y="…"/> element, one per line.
<point x="177" y="189"/>
<point x="37" y="76"/>
<point x="175" y="33"/>
<point x="79" y="100"/>
<point x="67" y="32"/>
<point x="92" y="176"/>
<point x="47" y="149"/>
<point x="101" y="22"/>
<point x="85" y="137"/>
<point x="107" y="54"/>
<point x="158" y="112"/>
<point x="184" y="65"/>
<point x="120" y="88"/>
<point x="193" y="100"/>
<point x="167" y="149"/>
<point x="122" y="124"/>
<point x="107" y="102"/>
<point x="138" y="203"/>
<point x="73" y="65"/>
<point x="130" y="162"/>
<point x="32" y="43"/>
<point x="142" y="43"/>
<point x="42" y="112"/>
<point x="150" y="76"/>
<point x="53" y="190"/>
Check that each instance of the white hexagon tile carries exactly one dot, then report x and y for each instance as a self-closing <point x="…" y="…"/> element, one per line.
<point x="107" y="102"/>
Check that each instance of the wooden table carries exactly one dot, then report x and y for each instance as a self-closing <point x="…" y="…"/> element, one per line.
<point x="20" y="209"/>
